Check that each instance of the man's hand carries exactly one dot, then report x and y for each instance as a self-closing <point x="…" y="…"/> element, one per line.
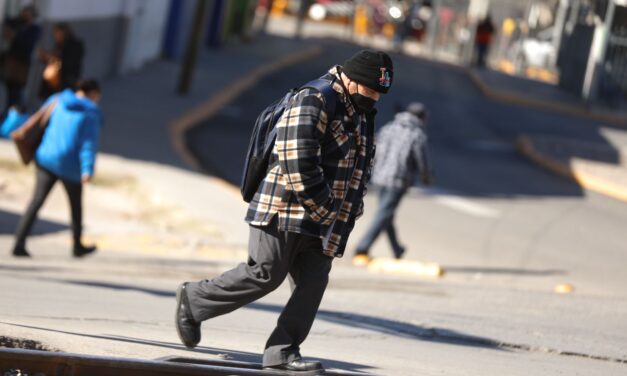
<point x="86" y="179"/>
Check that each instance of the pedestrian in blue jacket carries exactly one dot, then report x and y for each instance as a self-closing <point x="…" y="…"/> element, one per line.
<point x="68" y="153"/>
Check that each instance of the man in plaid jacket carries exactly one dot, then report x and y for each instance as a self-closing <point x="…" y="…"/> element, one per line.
<point x="303" y="211"/>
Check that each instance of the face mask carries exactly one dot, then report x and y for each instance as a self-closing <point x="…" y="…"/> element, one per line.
<point x="363" y="103"/>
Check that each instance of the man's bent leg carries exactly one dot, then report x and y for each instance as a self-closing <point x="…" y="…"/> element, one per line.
<point x="267" y="267"/>
<point x="309" y="276"/>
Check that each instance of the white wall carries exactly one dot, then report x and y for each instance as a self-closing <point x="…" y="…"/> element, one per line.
<point x="144" y="23"/>
<point x="147" y="23"/>
<point x="68" y="10"/>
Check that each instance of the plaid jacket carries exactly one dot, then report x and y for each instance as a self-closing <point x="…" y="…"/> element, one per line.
<point x="320" y="167"/>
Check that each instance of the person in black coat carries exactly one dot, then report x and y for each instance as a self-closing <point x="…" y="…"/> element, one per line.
<point x="66" y="59"/>
<point x="23" y="34"/>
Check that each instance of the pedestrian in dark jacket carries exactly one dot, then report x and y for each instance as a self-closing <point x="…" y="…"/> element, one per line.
<point x="65" y="61"/>
<point x="67" y="153"/>
<point x="24" y="35"/>
<point x="402" y="155"/>
<point x="483" y="39"/>
<point x="303" y="212"/>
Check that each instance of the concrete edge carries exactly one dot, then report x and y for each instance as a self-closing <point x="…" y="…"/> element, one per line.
<point x="189" y="120"/>
<point x="586" y="180"/>
<point x="552" y="106"/>
<point x="406" y="268"/>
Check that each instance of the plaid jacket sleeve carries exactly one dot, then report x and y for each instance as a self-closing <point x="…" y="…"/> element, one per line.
<point x="299" y="132"/>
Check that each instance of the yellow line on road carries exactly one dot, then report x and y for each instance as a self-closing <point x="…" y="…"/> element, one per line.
<point x="516" y="99"/>
<point x="586" y="180"/>
<point x="180" y="126"/>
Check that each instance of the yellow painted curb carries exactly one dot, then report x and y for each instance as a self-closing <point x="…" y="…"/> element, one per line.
<point x="183" y="124"/>
<point x="513" y="98"/>
<point x="586" y="180"/>
<point x="564" y="288"/>
<point x="405" y="267"/>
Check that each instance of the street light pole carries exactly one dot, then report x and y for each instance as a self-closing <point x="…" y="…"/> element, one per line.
<point x="193" y="44"/>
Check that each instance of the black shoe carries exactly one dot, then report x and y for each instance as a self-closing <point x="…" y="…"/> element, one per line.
<point x="186" y="327"/>
<point x="20" y="252"/>
<point x="80" y="251"/>
<point x="398" y="255"/>
<point x="301" y="366"/>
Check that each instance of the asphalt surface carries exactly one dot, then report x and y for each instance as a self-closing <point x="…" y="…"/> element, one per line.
<point x="505" y="231"/>
<point x="491" y="211"/>
<point x="116" y="305"/>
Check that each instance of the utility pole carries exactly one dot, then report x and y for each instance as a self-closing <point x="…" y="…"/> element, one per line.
<point x="193" y="44"/>
<point x="598" y="51"/>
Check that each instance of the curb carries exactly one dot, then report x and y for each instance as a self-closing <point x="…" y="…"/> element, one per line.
<point x="586" y="180"/>
<point x="405" y="267"/>
<point x="552" y="106"/>
<point x="189" y="120"/>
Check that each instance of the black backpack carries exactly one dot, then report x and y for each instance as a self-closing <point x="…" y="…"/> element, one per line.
<point x="264" y="135"/>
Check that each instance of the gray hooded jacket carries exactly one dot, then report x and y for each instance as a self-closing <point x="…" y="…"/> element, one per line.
<point x="402" y="153"/>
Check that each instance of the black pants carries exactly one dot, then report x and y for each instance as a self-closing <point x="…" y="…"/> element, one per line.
<point x="45" y="182"/>
<point x="273" y="254"/>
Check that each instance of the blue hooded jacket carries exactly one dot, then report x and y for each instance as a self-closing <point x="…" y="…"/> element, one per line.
<point x="68" y="148"/>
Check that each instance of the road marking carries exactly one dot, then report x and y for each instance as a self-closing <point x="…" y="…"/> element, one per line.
<point x="451" y="200"/>
<point x="466" y="206"/>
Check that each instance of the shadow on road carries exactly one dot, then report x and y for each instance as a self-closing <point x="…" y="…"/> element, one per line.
<point x="349" y="319"/>
<point x="504" y="271"/>
<point x="9" y="221"/>
<point x="241" y="356"/>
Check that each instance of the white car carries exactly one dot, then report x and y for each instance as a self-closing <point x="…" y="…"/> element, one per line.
<point x="538" y="51"/>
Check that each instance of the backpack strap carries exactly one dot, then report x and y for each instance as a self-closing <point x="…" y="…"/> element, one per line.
<point x="325" y="87"/>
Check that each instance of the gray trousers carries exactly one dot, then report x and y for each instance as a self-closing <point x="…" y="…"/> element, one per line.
<point x="273" y="254"/>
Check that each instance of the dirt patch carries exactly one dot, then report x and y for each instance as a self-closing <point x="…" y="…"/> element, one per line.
<point x="21" y="343"/>
<point x="12" y="165"/>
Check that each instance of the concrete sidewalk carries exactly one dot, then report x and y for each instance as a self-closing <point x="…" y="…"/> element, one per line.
<point x="597" y="165"/>
<point x="599" y="168"/>
<point x="133" y="207"/>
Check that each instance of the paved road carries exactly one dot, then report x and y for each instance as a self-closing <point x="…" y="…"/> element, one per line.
<point x="491" y="213"/>
<point x="123" y="306"/>
<point x="506" y="231"/>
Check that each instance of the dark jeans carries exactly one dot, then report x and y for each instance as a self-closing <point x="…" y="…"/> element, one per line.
<point x="273" y="254"/>
<point x="389" y="199"/>
<point x="45" y="182"/>
<point x="482" y="52"/>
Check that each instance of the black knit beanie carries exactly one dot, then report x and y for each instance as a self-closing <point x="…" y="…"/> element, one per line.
<point x="372" y="69"/>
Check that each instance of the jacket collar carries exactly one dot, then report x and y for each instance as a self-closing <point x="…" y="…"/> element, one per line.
<point x="342" y="94"/>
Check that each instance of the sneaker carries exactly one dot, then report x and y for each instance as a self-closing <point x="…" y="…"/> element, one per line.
<point x="81" y="251"/>
<point x="398" y="255"/>
<point x="361" y="260"/>
<point x="20" y="252"/>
